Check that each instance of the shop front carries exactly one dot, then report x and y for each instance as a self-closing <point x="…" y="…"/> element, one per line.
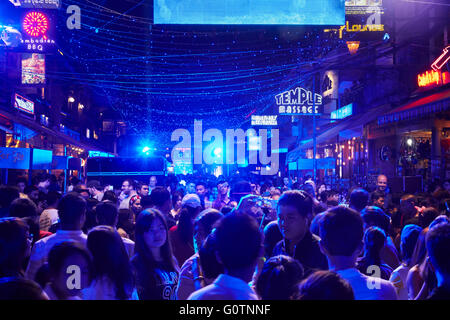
<point x="413" y="139"/>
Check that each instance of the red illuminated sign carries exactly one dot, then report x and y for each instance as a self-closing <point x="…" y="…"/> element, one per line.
<point x="443" y="58"/>
<point x="433" y="78"/>
<point x="36" y="24"/>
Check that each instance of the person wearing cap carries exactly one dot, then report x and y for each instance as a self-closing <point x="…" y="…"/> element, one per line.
<point x="181" y="235"/>
<point x="409" y="236"/>
<point x="95" y="189"/>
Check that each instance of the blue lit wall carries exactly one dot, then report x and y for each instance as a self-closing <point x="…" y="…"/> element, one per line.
<point x="256" y="12"/>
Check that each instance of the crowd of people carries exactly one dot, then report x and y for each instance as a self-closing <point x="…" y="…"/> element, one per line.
<point x="188" y="238"/>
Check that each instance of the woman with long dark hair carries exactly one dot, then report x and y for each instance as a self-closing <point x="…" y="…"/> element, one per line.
<point x="112" y="273"/>
<point x="155" y="268"/>
<point x="181" y="235"/>
<point x="374" y="241"/>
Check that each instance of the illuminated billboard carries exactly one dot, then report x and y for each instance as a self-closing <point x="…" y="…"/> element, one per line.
<point x="33" y="68"/>
<point x="253" y="12"/>
<point x="23" y="104"/>
<point x="38" y="31"/>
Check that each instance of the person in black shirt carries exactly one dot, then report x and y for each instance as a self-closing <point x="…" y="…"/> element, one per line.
<point x="438" y="244"/>
<point x="294" y="213"/>
<point x="155" y="268"/>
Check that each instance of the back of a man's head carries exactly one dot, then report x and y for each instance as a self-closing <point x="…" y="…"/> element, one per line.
<point x="71" y="209"/>
<point x="341" y="231"/>
<point x="106" y="214"/>
<point x="359" y="198"/>
<point x="298" y="199"/>
<point x="53" y="197"/>
<point x="159" y="196"/>
<point x="239" y="241"/>
<point x="22" y="208"/>
<point x="7" y="195"/>
<point x="438" y="244"/>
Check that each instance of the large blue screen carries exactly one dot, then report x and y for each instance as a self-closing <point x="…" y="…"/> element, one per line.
<point x="256" y="12"/>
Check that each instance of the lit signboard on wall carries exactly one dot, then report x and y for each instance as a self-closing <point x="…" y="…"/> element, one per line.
<point x="33" y="68"/>
<point x="299" y="101"/>
<point x="343" y="112"/>
<point x="430" y="79"/>
<point x="363" y="21"/>
<point x="264" y="120"/>
<point x="23" y="104"/>
<point x="37" y="4"/>
<point x="259" y="12"/>
<point x="38" y="31"/>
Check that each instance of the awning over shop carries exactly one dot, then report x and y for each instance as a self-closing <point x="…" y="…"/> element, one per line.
<point x="345" y="129"/>
<point x="437" y="102"/>
<point x="33" y="126"/>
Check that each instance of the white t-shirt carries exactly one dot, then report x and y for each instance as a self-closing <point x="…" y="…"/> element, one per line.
<point x="398" y="279"/>
<point x="368" y="288"/>
<point x="48" y="218"/>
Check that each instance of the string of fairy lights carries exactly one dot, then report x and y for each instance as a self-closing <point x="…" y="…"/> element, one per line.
<point x="163" y="77"/>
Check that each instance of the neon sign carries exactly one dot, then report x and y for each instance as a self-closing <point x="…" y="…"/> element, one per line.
<point x="433" y="78"/>
<point x="357" y="28"/>
<point x="299" y="101"/>
<point x="343" y="112"/>
<point x="23" y="104"/>
<point x="36" y="24"/>
<point x="443" y="59"/>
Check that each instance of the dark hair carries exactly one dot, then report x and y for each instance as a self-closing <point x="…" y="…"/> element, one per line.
<point x="298" y="199"/>
<point x="13" y="245"/>
<point x="106" y="214"/>
<point x="53" y="197"/>
<point x="94" y="184"/>
<point x="238" y="241"/>
<point x="201" y="183"/>
<point x="185" y="223"/>
<point x="175" y="196"/>
<point x="110" y="195"/>
<point x="131" y="182"/>
<point x="146" y="202"/>
<point x="374" y="240"/>
<point x="427" y="217"/>
<point x="29" y="189"/>
<point x="22" y="207"/>
<point x="71" y="208"/>
<point x="21" y="180"/>
<point x="374" y="216"/>
<point x="309" y="189"/>
<point x="377" y="195"/>
<point x="325" y="285"/>
<point x="18" y="288"/>
<point x="159" y="196"/>
<point x="110" y="259"/>
<point x="341" y="231"/>
<point x="438" y="244"/>
<point x="207" y="218"/>
<point x="272" y="235"/>
<point x="409" y="236"/>
<point x="226" y="209"/>
<point x="240" y="189"/>
<point x="359" y="199"/>
<point x="64" y="249"/>
<point x="208" y="260"/>
<point x="7" y="195"/>
<point x="420" y="250"/>
<point x="279" y="278"/>
<point x="143" y="224"/>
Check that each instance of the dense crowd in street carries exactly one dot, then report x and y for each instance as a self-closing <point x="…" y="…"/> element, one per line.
<point x="208" y="238"/>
